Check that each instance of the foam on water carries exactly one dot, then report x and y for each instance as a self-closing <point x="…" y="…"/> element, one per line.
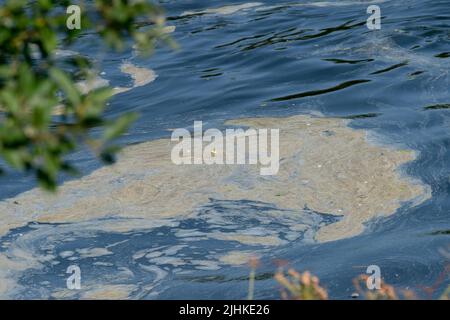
<point x="326" y="168"/>
<point x="225" y="10"/>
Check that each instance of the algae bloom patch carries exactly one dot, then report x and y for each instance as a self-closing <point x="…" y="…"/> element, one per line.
<point x="325" y="166"/>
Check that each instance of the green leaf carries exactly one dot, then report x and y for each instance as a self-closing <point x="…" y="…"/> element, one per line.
<point x="108" y="155"/>
<point x="34" y="80"/>
<point x="14" y="158"/>
<point x="46" y="179"/>
<point x="116" y="128"/>
<point x="66" y="85"/>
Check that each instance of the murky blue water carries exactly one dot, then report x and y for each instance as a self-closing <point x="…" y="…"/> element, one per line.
<point x="279" y="58"/>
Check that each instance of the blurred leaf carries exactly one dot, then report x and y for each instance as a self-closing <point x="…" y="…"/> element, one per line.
<point x="44" y="115"/>
<point x="46" y="179"/>
<point x="115" y="129"/>
<point x="66" y="85"/>
<point x="14" y="158"/>
<point x="108" y="155"/>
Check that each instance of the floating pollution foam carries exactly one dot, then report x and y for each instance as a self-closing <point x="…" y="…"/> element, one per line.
<point x="324" y="165"/>
<point x="225" y="10"/>
<point x="339" y="3"/>
<point x="87" y="86"/>
<point x="231" y="9"/>
<point x="237" y="257"/>
<point x="169" y="29"/>
<point x="141" y="76"/>
<point x="332" y="180"/>
<point x="383" y="48"/>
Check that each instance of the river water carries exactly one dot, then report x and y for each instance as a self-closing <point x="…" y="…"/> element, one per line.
<point x="263" y="59"/>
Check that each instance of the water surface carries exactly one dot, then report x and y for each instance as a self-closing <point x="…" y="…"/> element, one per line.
<point x="261" y="59"/>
